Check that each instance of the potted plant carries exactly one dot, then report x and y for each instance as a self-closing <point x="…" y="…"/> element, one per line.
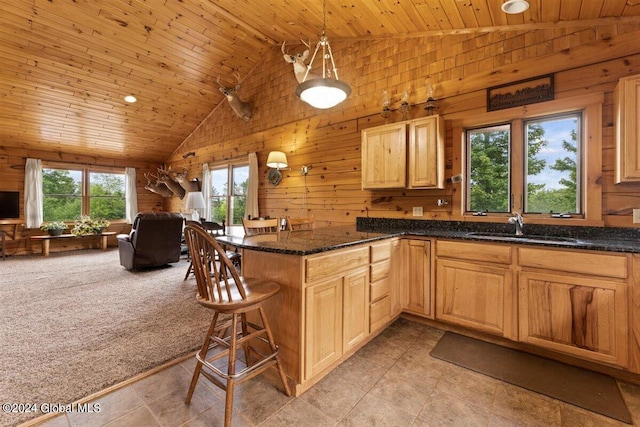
<point x="85" y="225"/>
<point x="99" y="224"/>
<point x="54" y="228"/>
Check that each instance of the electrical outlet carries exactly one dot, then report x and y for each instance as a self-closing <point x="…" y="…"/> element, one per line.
<point x="417" y="211"/>
<point x="636" y="216"/>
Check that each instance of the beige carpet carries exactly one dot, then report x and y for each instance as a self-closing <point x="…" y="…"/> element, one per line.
<point x="589" y="390"/>
<point x="77" y="322"/>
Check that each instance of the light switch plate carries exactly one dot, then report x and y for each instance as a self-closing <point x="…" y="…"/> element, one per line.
<point x="417" y="211"/>
<point x="456" y="178"/>
<point x="636" y="216"/>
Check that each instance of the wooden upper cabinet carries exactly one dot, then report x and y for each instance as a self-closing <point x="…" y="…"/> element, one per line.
<point x="426" y="153"/>
<point x="384" y="157"/>
<point x="385" y="163"/>
<point x="627" y="118"/>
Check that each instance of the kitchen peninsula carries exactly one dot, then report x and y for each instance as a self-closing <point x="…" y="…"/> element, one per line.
<point x="322" y="313"/>
<point x="569" y="297"/>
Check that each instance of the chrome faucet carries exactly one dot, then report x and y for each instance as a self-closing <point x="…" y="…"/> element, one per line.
<point x="518" y="221"/>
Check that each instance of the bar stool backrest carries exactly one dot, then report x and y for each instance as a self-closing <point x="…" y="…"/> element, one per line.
<point x="217" y="278"/>
<point x="300" y="223"/>
<point x="260" y="226"/>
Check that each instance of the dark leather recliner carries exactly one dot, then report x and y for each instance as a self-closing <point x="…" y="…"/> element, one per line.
<point x="154" y="240"/>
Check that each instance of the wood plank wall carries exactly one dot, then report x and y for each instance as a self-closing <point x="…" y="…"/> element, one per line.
<point x="584" y="61"/>
<point x="12" y="163"/>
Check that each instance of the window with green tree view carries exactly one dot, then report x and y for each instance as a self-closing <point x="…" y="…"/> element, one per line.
<point x="529" y="165"/>
<point x="68" y="193"/>
<point x="228" y="202"/>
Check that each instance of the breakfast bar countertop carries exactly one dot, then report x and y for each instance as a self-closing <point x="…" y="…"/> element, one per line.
<point x="371" y="229"/>
<point x="305" y="242"/>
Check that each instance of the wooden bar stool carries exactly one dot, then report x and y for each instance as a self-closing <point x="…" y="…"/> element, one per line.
<point x="229" y="295"/>
<point x="215" y="230"/>
<point x="261" y="226"/>
<point x="300" y="223"/>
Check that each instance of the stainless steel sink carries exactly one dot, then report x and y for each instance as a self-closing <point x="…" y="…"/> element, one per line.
<point x="525" y="237"/>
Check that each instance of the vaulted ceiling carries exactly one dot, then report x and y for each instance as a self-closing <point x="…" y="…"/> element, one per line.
<point x="67" y="64"/>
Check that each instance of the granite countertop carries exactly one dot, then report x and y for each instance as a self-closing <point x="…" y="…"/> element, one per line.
<point x="371" y="229"/>
<point x="306" y="242"/>
<point x="611" y="239"/>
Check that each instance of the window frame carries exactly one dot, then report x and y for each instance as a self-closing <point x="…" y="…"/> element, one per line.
<point x="86" y="171"/>
<point x="229" y="166"/>
<point x="517" y="167"/>
<point x="591" y="130"/>
<point x="467" y="199"/>
<point x="580" y="170"/>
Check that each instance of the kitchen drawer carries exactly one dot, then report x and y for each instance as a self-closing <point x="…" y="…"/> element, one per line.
<point x="380" y="251"/>
<point x="380" y="270"/>
<point x="596" y="264"/>
<point x="334" y="263"/>
<point x="380" y="313"/>
<point x="380" y="288"/>
<point x="487" y="252"/>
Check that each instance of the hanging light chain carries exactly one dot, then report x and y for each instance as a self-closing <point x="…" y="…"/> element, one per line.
<point x="333" y="63"/>
<point x="324" y="16"/>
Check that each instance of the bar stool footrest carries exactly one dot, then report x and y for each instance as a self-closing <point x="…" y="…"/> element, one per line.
<point x="264" y="360"/>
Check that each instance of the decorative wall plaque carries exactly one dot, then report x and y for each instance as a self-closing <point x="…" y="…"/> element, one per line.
<point x="523" y="92"/>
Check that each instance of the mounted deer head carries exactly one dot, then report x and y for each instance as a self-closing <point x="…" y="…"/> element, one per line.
<point x="299" y="67"/>
<point x="185" y="183"/>
<point x="241" y="108"/>
<point x="164" y="176"/>
<point x="155" y="186"/>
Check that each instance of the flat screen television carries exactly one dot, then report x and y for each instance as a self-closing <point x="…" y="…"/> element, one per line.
<point x="9" y="204"/>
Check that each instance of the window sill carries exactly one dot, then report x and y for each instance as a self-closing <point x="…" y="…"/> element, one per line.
<point x="499" y="218"/>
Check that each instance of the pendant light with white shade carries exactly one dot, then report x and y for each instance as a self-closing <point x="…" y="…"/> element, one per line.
<point x="327" y="91"/>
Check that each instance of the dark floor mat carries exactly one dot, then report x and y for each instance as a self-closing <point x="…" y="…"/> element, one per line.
<point x="589" y="390"/>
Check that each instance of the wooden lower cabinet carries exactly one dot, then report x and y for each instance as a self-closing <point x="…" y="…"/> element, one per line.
<point x="584" y="317"/>
<point x="475" y="295"/>
<point x="416" y="289"/>
<point x="337" y="319"/>
<point x="384" y="283"/>
<point x="322" y="313"/>
<point x="355" y="309"/>
<point x="323" y="325"/>
<point x="580" y="303"/>
<point x="575" y="302"/>
<point x="475" y="286"/>
<point x="569" y="301"/>
<point x="380" y="313"/>
<point x="395" y="278"/>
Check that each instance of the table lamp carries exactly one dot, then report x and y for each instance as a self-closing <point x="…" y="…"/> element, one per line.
<point x="195" y="201"/>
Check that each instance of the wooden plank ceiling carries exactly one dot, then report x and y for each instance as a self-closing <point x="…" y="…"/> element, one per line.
<point x="67" y="64"/>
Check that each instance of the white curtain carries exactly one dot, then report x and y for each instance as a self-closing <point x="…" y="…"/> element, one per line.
<point x="33" y="199"/>
<point x="131" y="194"/>
<point x="252" y="189"/>
<point x="206" y="191"/>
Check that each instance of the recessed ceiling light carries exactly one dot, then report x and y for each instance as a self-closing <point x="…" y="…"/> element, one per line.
<point x="130" y="99"/>
<point x="515" y="6"/>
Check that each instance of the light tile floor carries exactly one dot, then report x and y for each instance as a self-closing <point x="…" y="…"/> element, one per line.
<point x="392" y="381"/>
